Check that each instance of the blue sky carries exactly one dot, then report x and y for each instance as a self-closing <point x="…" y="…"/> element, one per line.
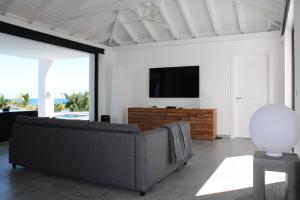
<point x="20" y="75"/>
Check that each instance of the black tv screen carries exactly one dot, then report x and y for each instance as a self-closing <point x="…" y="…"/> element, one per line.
<point x="174" y="82"/>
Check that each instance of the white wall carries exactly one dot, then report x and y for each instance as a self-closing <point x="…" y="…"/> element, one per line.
<point x="288" y="68"/>
<point x="105" y="80"/>
<point x="131" y="65"/>
<point x="297" y="55"/>
<point x="297" y="61"/>
<point x="288" y="56"/>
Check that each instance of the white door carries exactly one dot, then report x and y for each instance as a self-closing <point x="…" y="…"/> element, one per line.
<point x="250" y="89"/>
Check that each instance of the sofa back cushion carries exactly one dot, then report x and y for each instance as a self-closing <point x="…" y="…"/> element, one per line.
<point x="67" y="123"/>
<point x="111" y="127"/>
<point x="46" y="121"/>
<point x="40" y="121"/>
<point x="82" y="124"/>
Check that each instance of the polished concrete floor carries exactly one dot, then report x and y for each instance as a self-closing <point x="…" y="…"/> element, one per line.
<point x="184" y="184"/>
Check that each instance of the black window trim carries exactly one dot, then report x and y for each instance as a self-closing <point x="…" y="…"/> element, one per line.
<point x="30" y="34"/>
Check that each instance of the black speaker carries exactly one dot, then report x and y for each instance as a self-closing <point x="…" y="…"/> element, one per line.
<point x="105" y="118"/>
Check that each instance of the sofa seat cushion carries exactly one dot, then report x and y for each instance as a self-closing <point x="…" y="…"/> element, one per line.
<point x="52" y="122"/>
<point x="111" y="127"/>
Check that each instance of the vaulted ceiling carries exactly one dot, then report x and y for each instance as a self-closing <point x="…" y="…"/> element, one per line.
<point x="126" y="22"/>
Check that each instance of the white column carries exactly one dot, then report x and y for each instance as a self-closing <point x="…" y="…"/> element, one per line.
<point x="45" y="88"/>
<point x="91" y="86"/>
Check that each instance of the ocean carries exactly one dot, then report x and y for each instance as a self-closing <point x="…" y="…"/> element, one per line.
<point x="35" y="101"/>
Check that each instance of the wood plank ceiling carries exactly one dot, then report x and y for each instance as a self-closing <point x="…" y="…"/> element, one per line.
<point x="127" y="22"/>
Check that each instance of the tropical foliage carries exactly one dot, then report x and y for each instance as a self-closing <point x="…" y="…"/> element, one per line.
<point x="3" y="102"/>
<point x="59" y="107"/>
<point x="77" y="102"/>
<point x="24" y="100"/>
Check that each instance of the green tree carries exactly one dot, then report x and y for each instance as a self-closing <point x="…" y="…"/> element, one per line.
<point x="59" y="107"/>
<point x="77" y="102"/>
<point x="24" y="99"/>
<point x="3" y="102"/>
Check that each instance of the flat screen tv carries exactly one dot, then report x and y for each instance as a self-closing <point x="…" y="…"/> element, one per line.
<point x="174" y="82"/>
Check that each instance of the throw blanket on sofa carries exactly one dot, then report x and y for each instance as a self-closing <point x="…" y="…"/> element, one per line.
<point x="187" y="140"/>
<point x="175" y="143"/>
<point x="179" y="141"/>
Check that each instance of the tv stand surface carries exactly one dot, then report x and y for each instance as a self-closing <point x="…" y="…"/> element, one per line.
<point x="203" y="121"/>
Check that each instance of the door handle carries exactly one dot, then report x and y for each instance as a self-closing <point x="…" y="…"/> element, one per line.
<point x="238" y="98"/>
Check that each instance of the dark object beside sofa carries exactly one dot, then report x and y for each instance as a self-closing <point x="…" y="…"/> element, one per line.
<point x="8" y="118"/>
<point x="112" y="154"/>
<point x="105" y="118"/>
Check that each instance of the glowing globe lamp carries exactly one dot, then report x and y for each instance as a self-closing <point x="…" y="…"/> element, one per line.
<point x="275" y="129"/>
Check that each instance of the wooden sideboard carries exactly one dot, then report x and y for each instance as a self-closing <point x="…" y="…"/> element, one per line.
<point x="203" y="121"/>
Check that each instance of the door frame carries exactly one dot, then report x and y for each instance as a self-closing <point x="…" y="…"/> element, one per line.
<point x="232" y="57"/>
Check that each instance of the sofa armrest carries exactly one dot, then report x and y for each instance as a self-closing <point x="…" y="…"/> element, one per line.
<point x="152" y="158"/>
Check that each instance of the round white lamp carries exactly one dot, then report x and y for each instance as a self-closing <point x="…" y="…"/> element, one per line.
<point x="275" y="129"/>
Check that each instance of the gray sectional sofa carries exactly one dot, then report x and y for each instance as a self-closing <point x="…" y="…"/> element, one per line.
<point x="113" y="154"/>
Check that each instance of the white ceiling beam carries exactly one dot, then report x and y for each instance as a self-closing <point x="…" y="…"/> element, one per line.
<point x="139" y="13"/>
<point x="128" y="29"/>
<point x="105" y="38"/>
<point x="100" y="8"/>
<point x="113" y="29"/>
<point x="117" y="40"/>
<point x="213" y="16"/>
<point x="5" y="5"/>
<point x="98" y="29"/>
<point x="165" y="15"/>
<point x="205" y="40"/>
<point x="188" y="18"/>
<point x="38" y="10"/>
<point x="101" y="39"/>
<point x="240" y="16"/>
<point x="150" y="31"/>
<point x="273" y="17"/>
<point x="146" y="19"/>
